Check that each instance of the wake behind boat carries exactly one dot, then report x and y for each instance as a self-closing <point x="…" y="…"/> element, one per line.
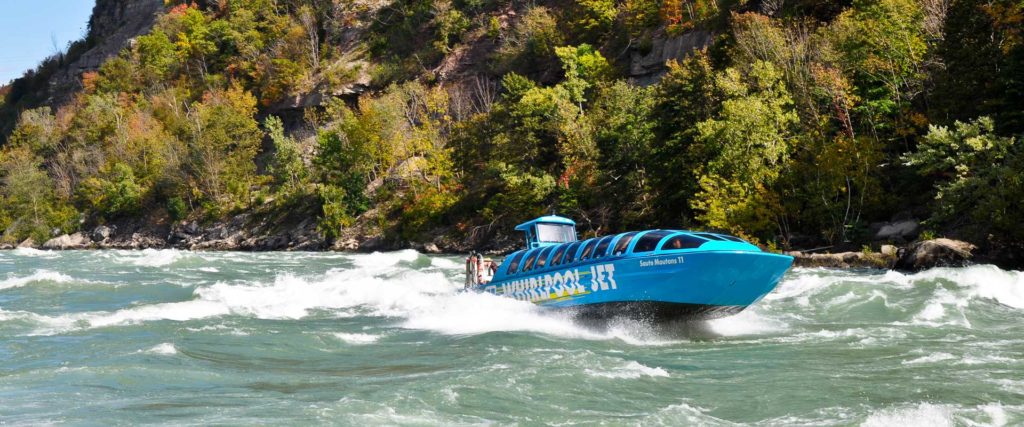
<point x="653" y="274"/>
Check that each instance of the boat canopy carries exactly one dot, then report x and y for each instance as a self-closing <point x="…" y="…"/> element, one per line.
<point x="548" y="230"/>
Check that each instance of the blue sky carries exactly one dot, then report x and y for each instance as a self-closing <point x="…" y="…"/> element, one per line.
<point x="28" y="29"/>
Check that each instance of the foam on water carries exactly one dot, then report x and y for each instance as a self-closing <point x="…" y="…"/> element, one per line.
<point x="416" y="299"/>
<point x="37" y="276"/>
<point x="631" y="370"/>
<point x="931" y="358"/>
<point x="165" y="349"/>
<point x="381" y="259"/>
<point x="417" y="350"/>
<point x="357" y="339"/>
<point x="151" y="257"/>
<point x="34" y="253"/>
<point x="979" y="281"/>
<point x="923" y="414"/>
<point x="446" y="263"/>
<point x="748" y="322"/>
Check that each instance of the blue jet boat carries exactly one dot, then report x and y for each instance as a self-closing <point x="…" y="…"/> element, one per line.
<point x="655" y="274"/>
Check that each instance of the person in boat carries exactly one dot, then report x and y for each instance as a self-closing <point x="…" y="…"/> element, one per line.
<point x="479" y="270"/>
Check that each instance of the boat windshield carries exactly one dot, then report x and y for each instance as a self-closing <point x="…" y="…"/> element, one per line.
<point x="682" y="241"/>
<point x="556" y="233"/>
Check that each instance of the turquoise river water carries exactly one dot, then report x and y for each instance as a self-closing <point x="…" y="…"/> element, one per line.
<point x="185" y="338"/>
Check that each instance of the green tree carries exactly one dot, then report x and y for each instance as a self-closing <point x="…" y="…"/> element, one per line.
<point x="881" y="43"/>
<point x="979" y="178"/>
<point x="156" y="55"/>
<point x="224" y="140"/>
<point x="625" y="139"/>
<point x="686" y="95"/>
<point x="287" y="167"/>
<point x="32" y="208"/>
<point x="752" y="138"/>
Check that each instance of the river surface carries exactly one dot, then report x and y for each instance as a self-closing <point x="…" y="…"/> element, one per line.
<point x="172" y="337"/>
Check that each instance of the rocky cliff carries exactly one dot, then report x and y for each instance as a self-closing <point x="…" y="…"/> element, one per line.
<point x="112" y="25"/>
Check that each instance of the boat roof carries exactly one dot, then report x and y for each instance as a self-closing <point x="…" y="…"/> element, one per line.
<point x="548" y="219"/>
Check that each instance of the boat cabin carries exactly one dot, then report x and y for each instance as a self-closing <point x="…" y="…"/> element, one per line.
<point x="548" y="231"/>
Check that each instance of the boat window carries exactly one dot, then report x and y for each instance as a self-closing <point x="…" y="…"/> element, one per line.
<point x="570" y="254"/>
<point x="602" y="247"/>
<point x="542" y="260"/>
<point x="513" y="266"/>
<point x="556" y="233"/>
<point x="588" y="249"/>
<point x="623" y="243"/>
<point x="708" y="236"/>
<point x="528" y="264"/>
<point x="682" y="241"/>
<point x="557" y="257"/>
<point x="649" y="241"/>
<point x="732" y="238"/>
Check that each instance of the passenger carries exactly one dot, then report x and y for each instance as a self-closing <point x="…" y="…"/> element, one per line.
<point x="677" y="243"/>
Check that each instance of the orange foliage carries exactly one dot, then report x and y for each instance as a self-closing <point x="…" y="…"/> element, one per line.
<point x="89" y="79"/>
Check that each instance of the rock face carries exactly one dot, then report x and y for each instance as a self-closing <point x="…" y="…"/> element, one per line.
<point x="243" y="232"/>
<point x="935" y="253"/>
<point x="73" y="241"/>
<point x="647" y="67"/>
<point x="112" y="24"/>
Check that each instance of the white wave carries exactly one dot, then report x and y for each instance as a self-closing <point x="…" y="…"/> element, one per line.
<point x="748" y="322"/>
<point x="357" y="339"/>
<point x="385" y="259"/>
<point x="446" y="263"/>
<point x="35" y="253"/>
<point x="924" y="414"/>
<point x="37" y="276"/>
<point x="987" y="359"/>
<point x="165" y="349"/>
<point x="152" y="257"/>
<point x="996" y="414"/>
<point x="419" y="300"/>
<point x="935" y="313"/>
<point x="209" y="269"/>
<point x="450" y="395"/>
<point x="684" y="414"/>
<point x="978" y="281"/>
<point x="931" y="358"/>
<point x="631" y="370"/>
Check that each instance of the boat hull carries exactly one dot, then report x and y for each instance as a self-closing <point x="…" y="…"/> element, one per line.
<point x="666" y="286"/>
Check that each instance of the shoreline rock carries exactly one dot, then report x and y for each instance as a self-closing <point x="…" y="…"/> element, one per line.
<point x="940" y="252"/>
<point x="844" y="259"/>
<point x="66" y="242"/>
<point x="240" y="233"/>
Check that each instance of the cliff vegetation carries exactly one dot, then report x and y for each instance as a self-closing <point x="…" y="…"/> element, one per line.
<point x="795" y="123"/>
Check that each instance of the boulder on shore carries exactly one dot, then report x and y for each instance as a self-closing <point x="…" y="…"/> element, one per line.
<point x="73" y="241"/>
<point x="842" y="260"/>
<point x="935" y="253"/>
<point x="102" y="233"/>
<point x="27" y="243"/>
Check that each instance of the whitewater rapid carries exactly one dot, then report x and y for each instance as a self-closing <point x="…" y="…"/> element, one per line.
<point x="819" y="330"/>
